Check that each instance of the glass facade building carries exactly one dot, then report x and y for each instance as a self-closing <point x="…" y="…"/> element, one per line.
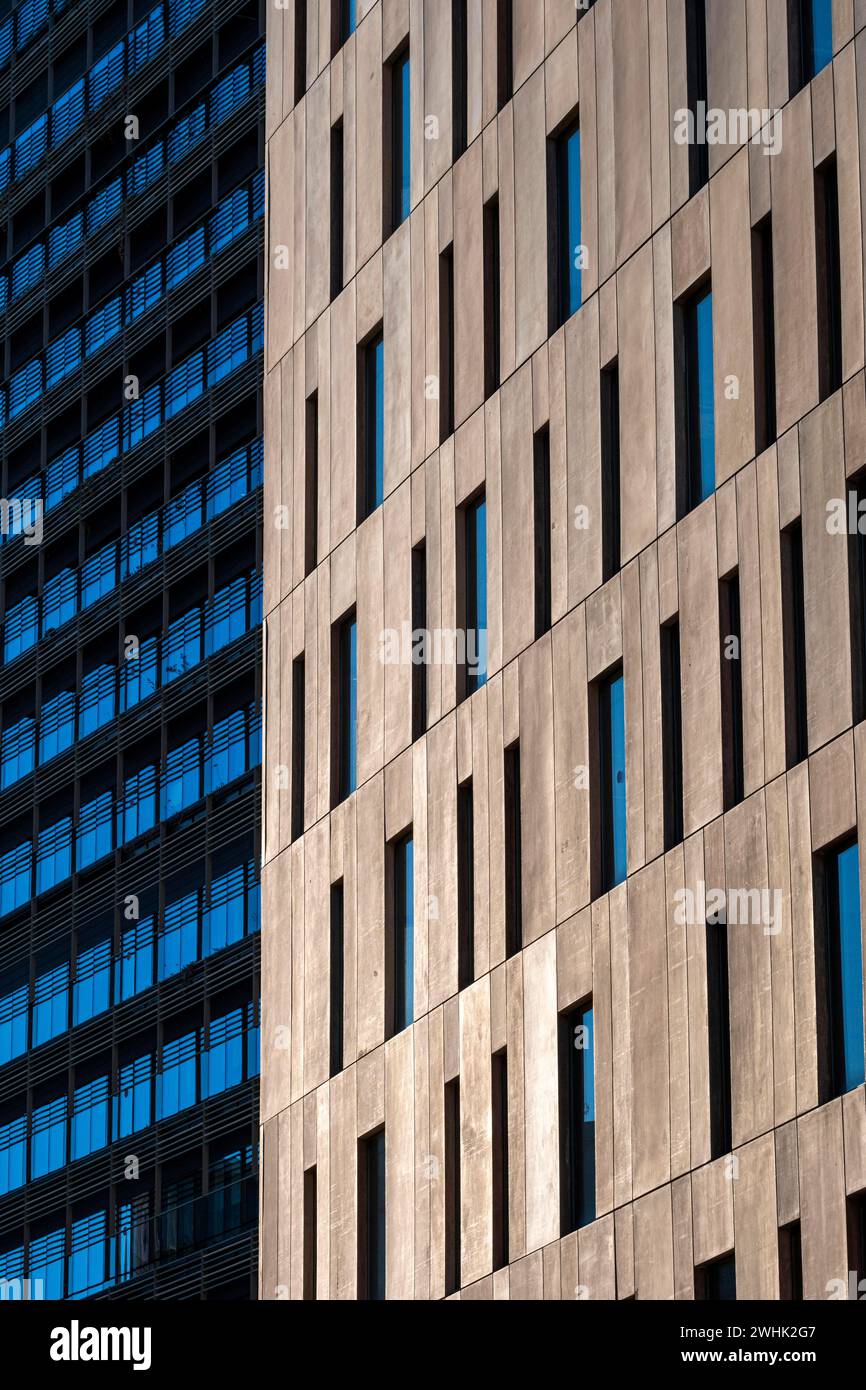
<point x="131" y="212"/>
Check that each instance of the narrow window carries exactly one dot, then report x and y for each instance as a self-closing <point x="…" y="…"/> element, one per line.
<point x="371" y="1217"/>
<point x="856" y="504"/>
<point x="473" y="671"/>
<point x="810" y="40"/>
<point x="839" y="971"/>
<point x="345" y="707"/>
<point x="610" y="472"/>
<point x="446" y="343"/>
<point x="716" y="1282"/>
<point x="492" y="368"/>
<point x="577" y="1118"/>
<point x="337" y="212"/>
<point x="504" y="52"/>
<point x="790" y="1264"/>
<point x="396" y="166"/>
<point x="513" y="853"/>
<point x="337" y="976"/>
<point x="543" y="581"/>
<point x="765" y="334"/>
<point x="730" y="642"/>
<point x="343" y="20"/>
<point x="311" y="483"/>
<point x="696" y="404"/>
<point x="310" y="1234"/>
<point x="611" y="781"/>
<point x="300" y="49"/>
<point x="465" y="886"/>
<point x="696" y="78"/>
<point x="719" y="1037"/>
<point x="371" y="408"/>
<point x="564" y="224"/>
<point x="794" y="632"/>
<point x="500" y="1158"/>
<point x="419" y="626"/>
<point x="298" y="746"/>
<point x="452" y="1186"/>
<point x="401" y="966"/>
<point x="459" y="108"/>
<point x="856" y="1222"/>
<point x="829" y="279"/>
<point x="672" y="733"/>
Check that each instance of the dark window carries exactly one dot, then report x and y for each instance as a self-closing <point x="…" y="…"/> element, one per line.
<point x="473" y="671"/>
<point x="336" y="209"/>
<point x="311" y="483"/>
<point x="446" y="343"/>
<point x="730" y="655"/>
<point x="611" y="798"/>
<point x="829" y="279"/>
<point x="345" y="707"/>
<point x="500" y="1158"/>
<point x="764" y="334"/>
<point x="371" y="421"/>
<point x="371" y="1216"/>
<point x="610" y="474"/>
<point x="696" y="425"/>
<point x="298" y="746"/>
<point x="716" y="1282"/>
<point x="419" y="625"/>
<point x="810" y="40"/>
<point x="401" y="965"/>
<point x="565" y="227"/>
<point x="543" y="581"/>
<point x="719" y="1037"/>
<point x="696" y="77"/>
<point x="459" y="83"/>
<point x="790" y="1264"/>
<point x="343" y="21"/>
<point x="577" y="1118"/>
<point x="839" y="970"/>
<point x="856" y="511"/>
<point x="465" y="886"/>
<point x="310" y="1235"/>
<point x="856" y="1222"/>
<point x="300" y="49"/>
<point x="794" y="645"/>
<point x="513" y="852"/>
<point x="452" y="1186"/>
<point x="396" y="164"/>
<point x="504" y="52"/>
<point x="672" y="733"/>
<point x="492" y="369"/>
<point x="337" y="976"/>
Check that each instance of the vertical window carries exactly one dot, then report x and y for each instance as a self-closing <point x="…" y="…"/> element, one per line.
<point x="717" y="1282"/>
<point x="696" y="405"/>
<point x="419" y="626"/>
<point x="371" y="1216"/>
<point x="446" y="343"/>
<point x="310" y="1234"/>
<point x="500" y="1158"/>
<point x="856" y="1223"/>
<point x="300" y="49"/>
<point x="504" y="52"/>
<point x="338" y="969"/>
<point x="611" y="781"/>
<point x="810" y="40"/>
<point x="577" y="1118"/>
<point x="465" y="886"/>
<point x="459" y="108"/>
<point x="730" y="642"/>
<point x="672" y="733"/>
<point x="829" y="279"/>
<point x="839" y="971"/>
<point x="371" y="419"/>
<point x="337" y="212"/>
<point x="610" y="472"/>
<point x="492" y="330"/>
<point x="790" y="1264"/>
<point x="794" y="644"/>
<point x="764" y="334"/>
<point x="452" y="1186"/>
<point x="541" y="500"/>
<point x="345" y="707"/>
<point x="564" y="223"/>
<point x="696" y="77"/>
<point x="298" y="746"/>
<point x="719" y="1037"/>
<point x="343" y="20"/>
<point x="311" y="483"/>
<point x="474" y="536"/>
<point x="396" y="163"/>
<point x="856" y="501"/>
<point x="402" y="964"/>
<point x="513" y="852"/>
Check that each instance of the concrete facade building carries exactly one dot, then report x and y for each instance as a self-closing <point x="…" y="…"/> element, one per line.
<point x="562" y="966"/>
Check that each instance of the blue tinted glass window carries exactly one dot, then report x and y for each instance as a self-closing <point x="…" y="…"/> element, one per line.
<point x="347" y="704"/>
<point x="47" y="1261"/>
<point x="227" y="751"/>
<point x="90" y="995"/>
<point x="13" y="1019"/>
<point x="182" y="646"/>
<point x="132" y="1107"/>
<point x="136" y="814"/>
<point x="90" y="1117"/>
<point x="374" y="422"/>
<point x="176" y="1080"/>
<point x="578" y="1121"/>
<point x="181" y="783"/>
<point x="612" y="774"/>
<point x="48" y="1138"/>
<point x="13" y="1154"/>
<point x="223" y="1064"/>
<point x="224" y="918"/>
<point x="822" y="34"/>
<point x="51" y="1003"/>
<point x="90" y="1258"/>
<point x="15" y="876"/>
<point x="96" y="703"/>
<point x="177" y="944"/>
<point x="401" y="191"/>
<point x="404" y="934"/>
<point x="59" y="600"/>
<point x="476" y="595"/>
<point x="57" y="725"/>
<point x="139" y="676"/>
<point x="570" y="224"/>
<point x="134" y="967"/>
<point x="93" y="834"/>
<point x="21" y="627"/>
<point x="846" y="969"/>
<point x="700" y="419"/>
<point x="17" y="752"/>
<point x="54" y="854"/>
<point x="140" y="545"/>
